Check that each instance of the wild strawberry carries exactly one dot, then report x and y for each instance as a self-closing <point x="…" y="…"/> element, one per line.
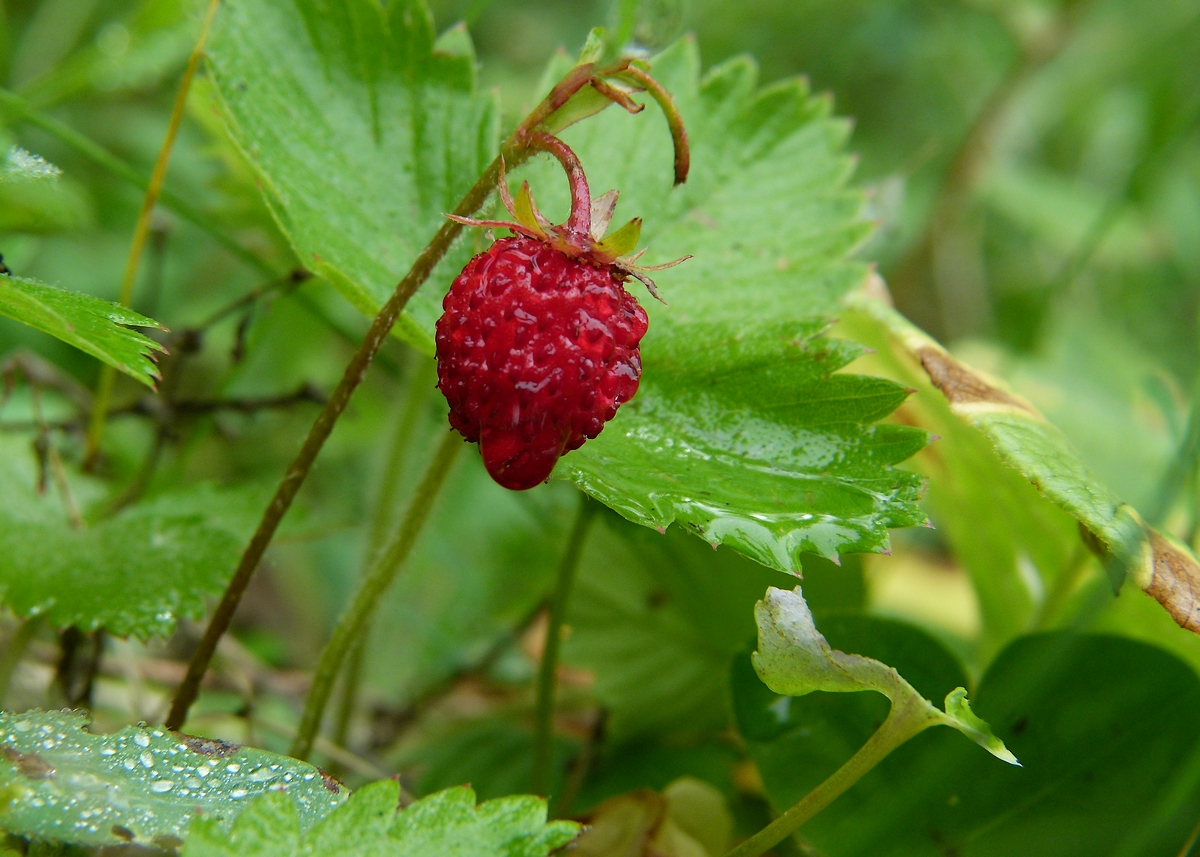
<point x="538" y="345"/>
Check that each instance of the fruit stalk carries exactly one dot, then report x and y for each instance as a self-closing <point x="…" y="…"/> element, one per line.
<point x="544" y="707"/>
<point x="366" y="599"/>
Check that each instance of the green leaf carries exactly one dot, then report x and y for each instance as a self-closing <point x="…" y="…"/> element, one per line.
<point x="1018" y="547"/>
<point x="740" y="430"/>
<point x="1104" y="726"/>
<point x="794" y="659"/>
<point x="446" y="824"/>
<point x="1025" y="441"/>
<point x="485" y="561"/>
<point x="657" y="619"/>
<point x="94" y="326"/>
<point x="143" y="786"/>
<point x="137" y="572"/>
<point x="363" y="132"/>
<point x="21" y="166"/>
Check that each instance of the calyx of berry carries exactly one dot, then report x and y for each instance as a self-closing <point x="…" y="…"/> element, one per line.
<point x="583" y="236"/>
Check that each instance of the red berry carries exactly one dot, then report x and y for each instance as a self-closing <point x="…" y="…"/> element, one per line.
<point x="536" y="351"/>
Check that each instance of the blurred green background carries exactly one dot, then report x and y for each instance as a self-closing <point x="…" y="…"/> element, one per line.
<point x="1034" y="171"/>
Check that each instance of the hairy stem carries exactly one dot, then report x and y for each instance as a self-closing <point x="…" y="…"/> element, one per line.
<point x="320" y="431"/>
<point x="544" y="708"/>
<point x="902" y="724"/>
<point x="108" y="375"/>
<point x="580" y="221"/>
<point x="366" y="599"/>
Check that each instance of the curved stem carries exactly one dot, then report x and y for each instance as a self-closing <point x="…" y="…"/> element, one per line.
<point x="683" y="157"/>
<point x="366" y="599"/>
<point x="108" y="375"/>
<point x="320" y="431"/>
<point x="580" y="220"/>
<point x="902" y="723"/>
<point x="544" y="709"/>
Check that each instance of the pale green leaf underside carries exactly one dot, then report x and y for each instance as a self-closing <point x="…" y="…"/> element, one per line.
<point x="62" y="784"/>
<point x="97" y="327"/>
<point x="1025" y="441"/>
<point x="363" y="133"/>
<point x="136" y="573"/>
<point x="445" y="824"/>
<point x="794" y="659"/>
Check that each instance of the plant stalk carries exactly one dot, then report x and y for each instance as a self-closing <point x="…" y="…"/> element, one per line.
<point x="901" y="724"/>
<point x="372" y="587"/>
<point x="420" y="384"/>
<point x="108" y="375"/>
<point x="543" y="742"/>
<point x="320" y="431"/>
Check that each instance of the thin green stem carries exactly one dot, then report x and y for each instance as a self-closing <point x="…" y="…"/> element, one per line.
<point x="372" y="587"/>
<point x="411" y="409"/>
<point x="15" y="651"/>
<point x="108" y="375"/>
<point x="902" y="724"/>
<point x="544" y="707"/>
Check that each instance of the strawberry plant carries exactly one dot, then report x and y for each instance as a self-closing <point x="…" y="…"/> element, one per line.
<point x="354" y="502"/>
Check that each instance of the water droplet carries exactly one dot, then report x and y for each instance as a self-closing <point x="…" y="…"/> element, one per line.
<point x="107" y="751"/>
<point x="260" y="775"/>
<point x="233" y="767"/>
<point x="203" y="771"/>
<point x="22" y="726"/>
<point x="161" y="786"/>
<point x="128" y="763"/>
<point x="237" y="793"/>
<point x="141" y="739"/>
<point x="147" y="760"/>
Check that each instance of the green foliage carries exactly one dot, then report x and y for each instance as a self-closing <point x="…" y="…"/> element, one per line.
<point x="446" y="824"/>
<point x="657" y="619"/>
<point x="137" y="572"/>
<point x="794" y="659"/>
<point x="1103" y="726"/>
<point x="363" y="132"/>
<point x="97" y="327"/>
<point x="696" y="445"/>
<point x="143" y="786"/>
<point x="737" y="403"/>
<point x="32" y="197"/>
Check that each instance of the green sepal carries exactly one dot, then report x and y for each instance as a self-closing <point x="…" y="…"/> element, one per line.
<point x="623" y="241"/>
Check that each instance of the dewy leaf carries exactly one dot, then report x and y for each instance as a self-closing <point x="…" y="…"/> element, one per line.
<point x="20" y="166"/>
<point x="1025" y="441"/>
<point x="446" y="824"/>
<point x="141" y="786"/>
<point x="135" y="573"/>
<point x="740" y="430"/>
<point x="363" y="132"/>
<point x="100" y="328"/>
<point x="794" y="659"/>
